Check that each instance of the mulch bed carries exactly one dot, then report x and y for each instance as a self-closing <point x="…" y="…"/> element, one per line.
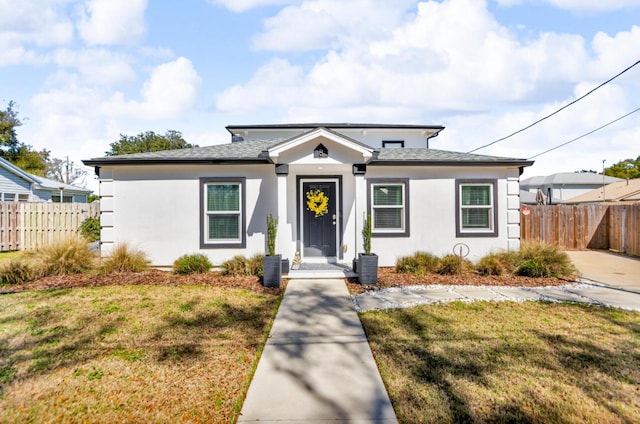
<point x="388" y="277"/>
<point x="150" y="278"/>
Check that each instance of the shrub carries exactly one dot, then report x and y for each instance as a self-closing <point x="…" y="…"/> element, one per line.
<point x="90" y="229"/>
<point x="418" y="264"/>
<point x="240" y="265"/>
<point x="16" y="271"/>
<point x="452" y="265"/>
<point x="125" y="259"/>
<point x="492" y="264"/>
<point x="196" y="263"/>
<point x="543" y="260"/>
<point x="71" y="256"/>
<point x="533" y="268"/>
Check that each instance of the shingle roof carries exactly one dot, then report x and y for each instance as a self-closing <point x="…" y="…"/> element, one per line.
<point x="619" y="191"/>
<point x="444" y="157"/>
<point x="241" y="151"/>
<point x="256" y="151"/>
<point x="573" y="178"/>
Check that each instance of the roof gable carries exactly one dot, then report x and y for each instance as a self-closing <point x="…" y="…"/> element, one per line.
<point x="313" y="137"/>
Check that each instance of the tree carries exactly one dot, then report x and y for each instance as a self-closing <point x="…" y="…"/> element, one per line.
<point x="20" y="154"/>
<point x="65" y="171"/>
<point x="628" y="168"/>
<point x="148" y="142"/>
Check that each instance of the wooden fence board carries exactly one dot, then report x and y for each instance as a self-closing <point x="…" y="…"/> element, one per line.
<point x="27" y="226"/>
<point x="612" y="226"/>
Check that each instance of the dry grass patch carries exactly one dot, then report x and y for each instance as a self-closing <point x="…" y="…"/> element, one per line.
<point x="509" y="362"/>
<point x="129" y="354"/>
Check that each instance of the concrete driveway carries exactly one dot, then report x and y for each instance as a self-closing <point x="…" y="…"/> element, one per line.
<point x="608" y="268"/>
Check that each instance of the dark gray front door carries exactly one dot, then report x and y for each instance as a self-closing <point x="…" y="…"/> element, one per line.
<point x="318" y="228"/>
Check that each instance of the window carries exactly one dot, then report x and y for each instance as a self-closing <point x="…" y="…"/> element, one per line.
<point x="476" y="214"/>
<point x="320" y="151"/>
<point x="23" y="197"/>
<point x="9" y="197"/>
<point x="223" y="212"/>
<point x="393" y="144"/>
<point x="65" y="199"/>
<point x="389" y="207"/>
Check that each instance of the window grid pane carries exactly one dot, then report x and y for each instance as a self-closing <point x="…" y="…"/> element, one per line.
<point x="224" y="227"/>
<point x="475" y="195"/>
<point x="223" y="197"/>
<point x="388" y="218"/>
<point x="388" y="195"/>
<point x="476" y="218"/>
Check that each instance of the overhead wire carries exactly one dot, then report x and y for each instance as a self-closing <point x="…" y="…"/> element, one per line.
<point x="557" y="111"/>
<point x="586" y="134"/>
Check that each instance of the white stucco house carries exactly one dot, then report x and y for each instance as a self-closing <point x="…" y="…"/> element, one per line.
<point x="320" y="180"/>
<point x="17" y="185"/>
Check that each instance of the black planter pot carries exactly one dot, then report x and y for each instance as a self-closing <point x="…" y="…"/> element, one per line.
<point x="285" y="266"/>
<point x="354" y="265"/>
<point x="367" y="269"/>
<point x="272" y="271"/>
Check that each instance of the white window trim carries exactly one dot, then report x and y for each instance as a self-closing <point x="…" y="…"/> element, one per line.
<point x="489" y="231"/>
<point x="205" y="241"/>
<point x="388" y="232"/>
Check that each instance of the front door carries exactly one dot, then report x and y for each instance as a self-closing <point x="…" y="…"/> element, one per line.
<point x="319" y="218"/>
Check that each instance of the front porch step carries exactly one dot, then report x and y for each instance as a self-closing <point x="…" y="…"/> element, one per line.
<point x="321" y="271"/>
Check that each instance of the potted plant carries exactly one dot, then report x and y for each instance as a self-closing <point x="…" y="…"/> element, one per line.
<point x="367" y="261"/>
<point x="271" y="263"/>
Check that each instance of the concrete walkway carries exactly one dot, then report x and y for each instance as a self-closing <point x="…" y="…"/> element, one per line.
<point x="404" y="297"/>
<point x="317" y="364"/>
<point x="608" y="268"/>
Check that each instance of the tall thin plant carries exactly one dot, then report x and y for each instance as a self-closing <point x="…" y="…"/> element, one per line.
<point x="272" y="231"/>
<point x="366" y="235"/>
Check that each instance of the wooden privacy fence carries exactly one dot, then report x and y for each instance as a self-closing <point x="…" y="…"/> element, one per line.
<point x="26" y="226"/>
<point x="613" y="226"/>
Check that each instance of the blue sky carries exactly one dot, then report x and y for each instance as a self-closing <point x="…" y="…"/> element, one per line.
<point x="82" y="72"/>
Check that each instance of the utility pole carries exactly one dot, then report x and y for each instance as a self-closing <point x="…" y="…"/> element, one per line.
<point x="604" y="198"/>
<point x="66" y="179"/>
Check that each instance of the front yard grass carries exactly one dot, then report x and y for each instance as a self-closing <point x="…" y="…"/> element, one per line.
<point x="509" y="362"/>
<point x="130" y="353"/>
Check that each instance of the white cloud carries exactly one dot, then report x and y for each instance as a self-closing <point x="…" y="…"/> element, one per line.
<point x="97" y="66"/>
<point x="244" y="5"/>
<point x="593" y="5"/>
<point x="171" y="89"/>
<point x="323" y="24"/>
<point x="112" y="21"/>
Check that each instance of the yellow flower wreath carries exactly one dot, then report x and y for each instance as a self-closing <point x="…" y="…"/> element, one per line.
<point x="317" y="202"/>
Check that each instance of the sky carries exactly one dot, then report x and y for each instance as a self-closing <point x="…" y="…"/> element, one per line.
<point x="83" y="72"/>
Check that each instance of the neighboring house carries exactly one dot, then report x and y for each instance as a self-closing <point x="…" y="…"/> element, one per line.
<point x="621" y="191"/>
<point x="562" y="186"/>
<point x="17" y="185"/>
<point x="320" y="180"/>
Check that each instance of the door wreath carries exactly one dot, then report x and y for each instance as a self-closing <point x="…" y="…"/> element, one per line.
<point x="317" y="202"/>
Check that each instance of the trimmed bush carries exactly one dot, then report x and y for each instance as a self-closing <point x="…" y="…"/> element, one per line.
<point x="71" y="256"/>
<point x="419" y="264"/>
<point x="16" y="271"/>
<point x="90" y="229"/>
<point x="453" y="265"/>
<point x="125" y="259"/>
<point x="192" y="264"/>
<point x="240" y="265"/>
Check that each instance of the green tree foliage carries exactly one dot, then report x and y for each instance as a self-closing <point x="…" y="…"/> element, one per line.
<point x="11" y="149"/>
<point x="628" y="168"/>
<point x="148" y="142"/>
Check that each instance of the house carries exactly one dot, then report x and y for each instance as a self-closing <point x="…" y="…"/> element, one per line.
<point x="627" y="191"/>
<point x="320" y="181"/>
<point x="17" y="185"/>
<point x="562" y="186"/>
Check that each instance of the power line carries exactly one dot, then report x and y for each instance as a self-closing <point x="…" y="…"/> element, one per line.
<point x="557" y="111"/>
<point x="586" y="134"/>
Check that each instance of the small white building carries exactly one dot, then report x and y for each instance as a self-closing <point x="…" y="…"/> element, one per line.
<point x="17" y="185"/>
<point x="320" y="181"/>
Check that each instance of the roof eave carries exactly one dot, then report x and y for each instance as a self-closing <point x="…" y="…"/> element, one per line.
<point x="408" y="162"/>
<point x="169" y="161"/>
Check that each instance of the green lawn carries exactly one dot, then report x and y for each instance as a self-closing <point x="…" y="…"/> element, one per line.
<point x="6" y="256"/>
<point x="129" y="354"/>
<point x="509" y="362"/>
